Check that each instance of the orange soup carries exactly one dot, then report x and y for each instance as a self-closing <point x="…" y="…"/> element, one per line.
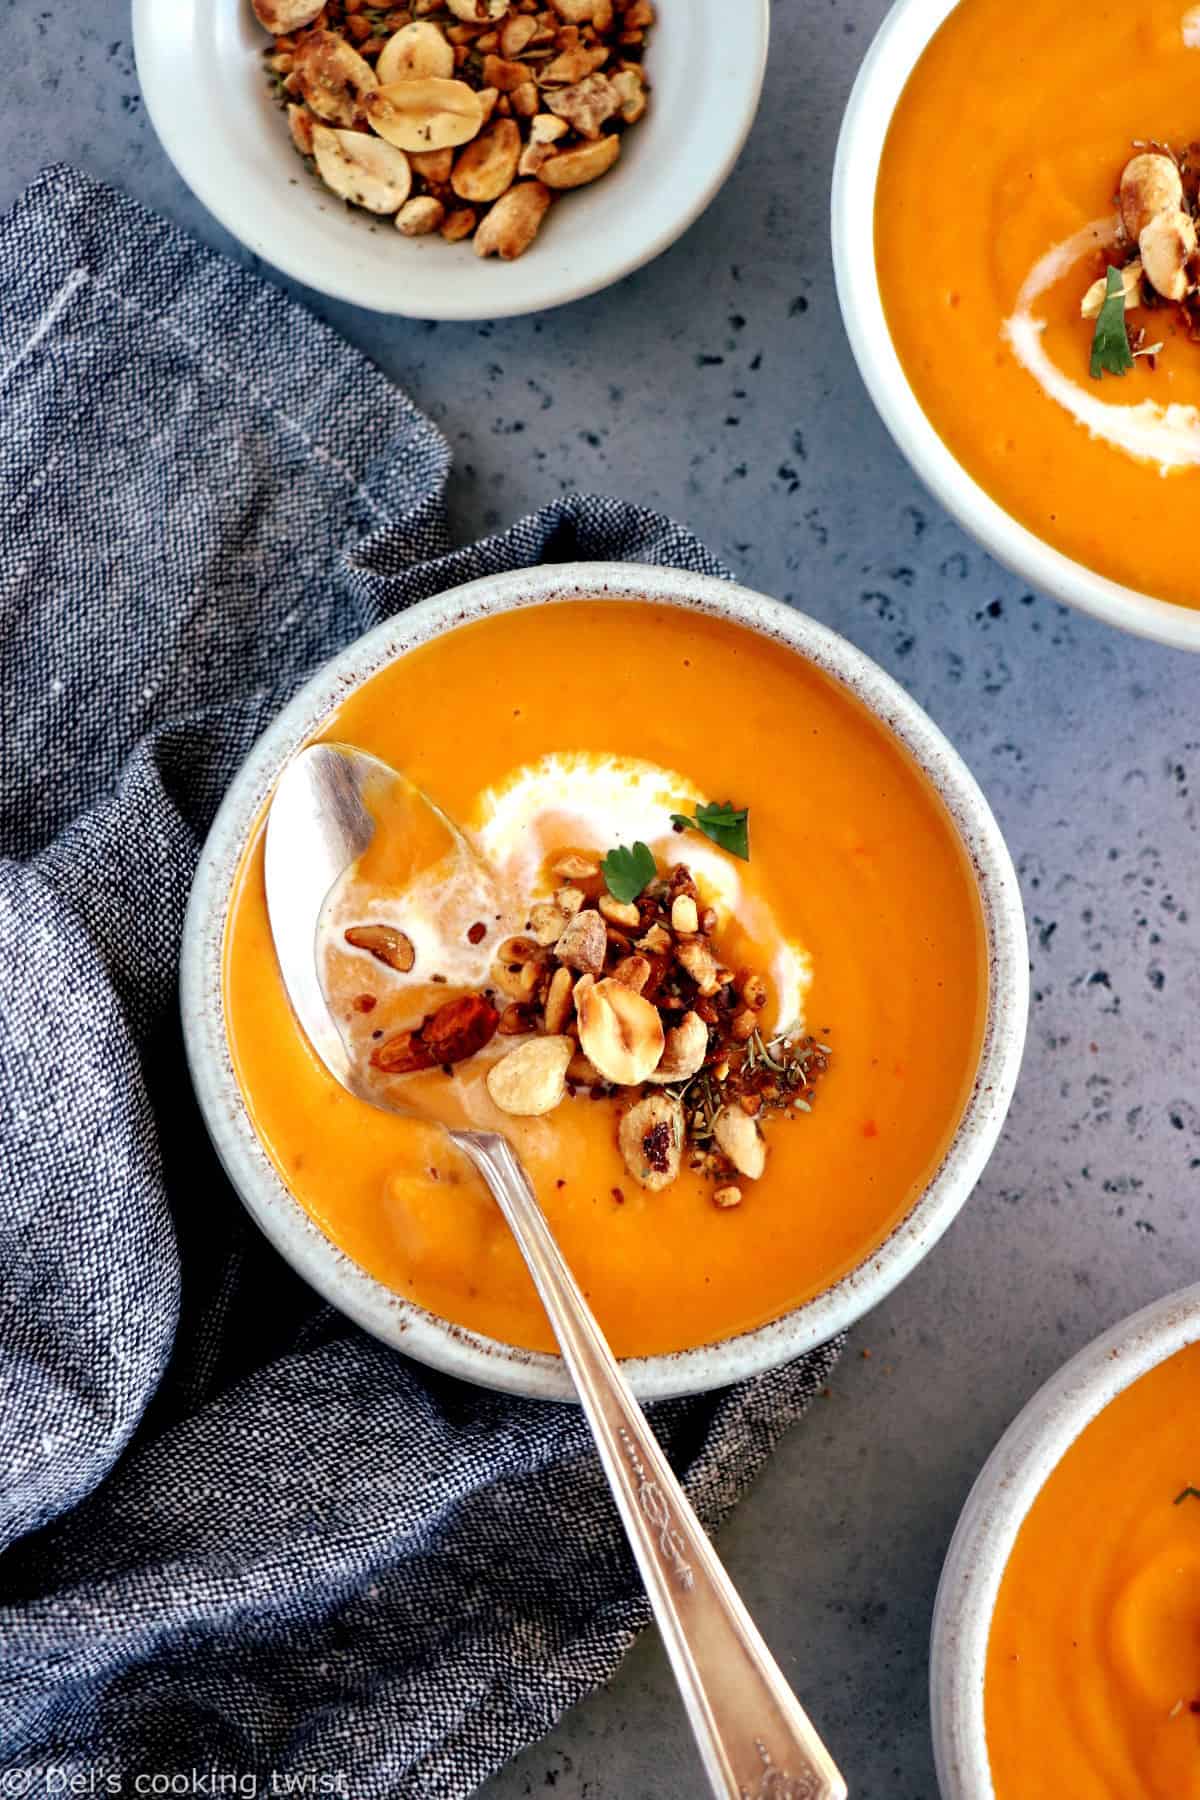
<point x="853" y="862"/>
<point x="996" y="211"/>
<point x="1093" y="1666"/>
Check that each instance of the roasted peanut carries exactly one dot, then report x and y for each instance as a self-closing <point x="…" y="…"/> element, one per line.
<point x="532" y="1079"/>
<point x="684" y="1050"/>
<point x="727" y="1196"/>
<point x="1131" y="281"/>
<point x="583" y="943"/>
<point x="459" y="224"/>
<point x="282" y="16"/>
<point x="334" y="79"/>
<point x="419" y="50"/>
<point x="1168" y="243"/>
<point x="740" y="1139"/>
<point x="488" y="166"/>
<point x="572" y="865"/>
<point x="460" y="1028"/>
<point x="620" y="1032"/>
<point x="684" y="916"/>
<point x="418" y="217"/>
<point x="385" y="944"/>
<point x="558" y="1001"/>
<point x="650" y="1139"/>
<point x="633" y="972"/>
<point x="585" y="162"/>
<point x="516" y="1020"/>
<point x="300" y="124"/>
<point x="547" y="923"/>
<point x="1150" y="184"/>
<point x="701" y="965"/>
<point x="404" y="1053"/>
<point x="620" y="912"/>
<point x="429" y="114"/>
<point x="361" y="169"/>
<point x="516" y="34"/>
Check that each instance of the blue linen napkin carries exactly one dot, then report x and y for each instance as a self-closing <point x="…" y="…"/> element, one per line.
<point x="238" y="1535"/>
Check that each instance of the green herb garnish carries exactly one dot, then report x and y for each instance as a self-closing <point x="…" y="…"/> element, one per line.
<point x="1189" y="1493"/>
<point x="627" y="872"/>
<point x="1111" y="354"/>
<point x="727" y="825"/>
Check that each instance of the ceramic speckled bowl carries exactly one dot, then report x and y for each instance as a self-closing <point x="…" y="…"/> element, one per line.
<point x="434" y="1340"/>
<point x="996" y="1508"/>
<point x="890" y="61"/>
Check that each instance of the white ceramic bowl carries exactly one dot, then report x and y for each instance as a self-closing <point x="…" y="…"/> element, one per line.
<point x="199" y="63"/>
<point x="409" y="1327"/>
<point x="890" y="61"/>
<point x="996" y="1508"/>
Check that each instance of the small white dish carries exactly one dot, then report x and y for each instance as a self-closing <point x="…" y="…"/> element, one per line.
<point x="201" y="71"/>
<point x="889" y="62"/>
<point x="1013" y="1476"/>
<point x="449" y="1347"/>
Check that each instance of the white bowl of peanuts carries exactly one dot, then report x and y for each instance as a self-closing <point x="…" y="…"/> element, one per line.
<point x="453" y="159"/>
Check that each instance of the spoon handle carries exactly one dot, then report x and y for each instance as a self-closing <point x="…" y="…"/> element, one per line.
<point x="755" y="1740"/>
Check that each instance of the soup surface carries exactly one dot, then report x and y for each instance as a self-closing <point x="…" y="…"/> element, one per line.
<point x="852" y="857"/>
<point x="1093" y="1667"/>
<point x="995" y="213"/>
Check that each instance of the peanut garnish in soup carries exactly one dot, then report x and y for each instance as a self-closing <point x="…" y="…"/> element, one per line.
<point x="1093" y="1665"/>
<point x="1039" y="267"/>
<point x="694" y="854"/>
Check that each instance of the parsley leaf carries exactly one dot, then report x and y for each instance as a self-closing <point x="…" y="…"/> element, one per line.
<point x="1111" y="354"/>
<point x="727" y="825"/>
<point x="627" y="872"/>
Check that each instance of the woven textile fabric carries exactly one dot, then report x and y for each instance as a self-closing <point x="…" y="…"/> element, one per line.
<point x="236" y="1535"/>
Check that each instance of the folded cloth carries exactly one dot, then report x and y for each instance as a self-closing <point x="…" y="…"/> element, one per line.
<point x="238" y="1535"/>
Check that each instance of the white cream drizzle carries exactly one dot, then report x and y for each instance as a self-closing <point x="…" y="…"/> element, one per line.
<point x="1168" y="436"/>
<point x="574" y="798"/>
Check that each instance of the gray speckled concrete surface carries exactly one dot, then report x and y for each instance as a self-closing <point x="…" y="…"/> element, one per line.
<point x="716" y="384"/>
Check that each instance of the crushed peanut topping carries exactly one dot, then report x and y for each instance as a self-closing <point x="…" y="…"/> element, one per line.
<point x="1155" y="263"/>
<point x="633" y="1003"/>
<point x="462" y="117"/>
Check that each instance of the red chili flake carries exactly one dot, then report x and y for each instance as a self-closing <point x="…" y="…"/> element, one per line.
<point x="618" y="1196"/>
<point x="656" y="1147"/>
<point x="870" y="1129"/>
<point x="365" y="1003"/>
<point x="560" y="1182"/>
<point x="477" y="933"/>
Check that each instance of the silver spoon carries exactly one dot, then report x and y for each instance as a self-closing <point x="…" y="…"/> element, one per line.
<point x="755" y="1740"/>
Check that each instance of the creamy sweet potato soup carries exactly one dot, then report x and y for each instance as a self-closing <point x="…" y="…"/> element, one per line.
<point x="1093" y="1667"/>
<point x="714" y="959"/>
<point x="1034" y="149"/>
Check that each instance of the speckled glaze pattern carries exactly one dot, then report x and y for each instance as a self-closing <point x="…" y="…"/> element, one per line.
<point x="717" y="386"/>
<point x="996" y="1508"/>
<point x="409" y="1327"/>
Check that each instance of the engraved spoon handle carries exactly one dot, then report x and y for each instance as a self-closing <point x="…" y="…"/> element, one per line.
<point x="755" y="1740"/>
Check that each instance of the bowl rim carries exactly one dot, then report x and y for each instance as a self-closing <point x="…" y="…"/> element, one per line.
<point x="996" y="1508"/>
<point x="894" y="53"/>
<point x="452" y="1348"/>
<point x="174" y="129"/>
